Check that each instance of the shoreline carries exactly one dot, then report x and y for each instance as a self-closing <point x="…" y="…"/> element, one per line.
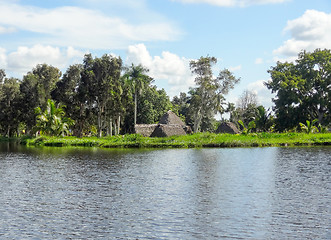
<point x="199" y="140"/>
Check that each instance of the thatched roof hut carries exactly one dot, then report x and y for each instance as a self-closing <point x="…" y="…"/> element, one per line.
<point x="170" y="124"/>
<point x="145" y="129"/>
<point x="171" y="118"/>
<point x="227" y="127"/>
<point x="167" y="130"/>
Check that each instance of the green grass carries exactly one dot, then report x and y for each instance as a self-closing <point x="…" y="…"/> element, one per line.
<point x="200" y="140"/>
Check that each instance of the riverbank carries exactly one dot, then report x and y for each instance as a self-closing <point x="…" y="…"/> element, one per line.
<point x="188" y="141"/>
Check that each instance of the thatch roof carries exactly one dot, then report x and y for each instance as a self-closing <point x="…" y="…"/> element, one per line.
<point x="167" y="130"/>
<point x="145" y="129"/>
<point x="171" y="118"/>
<point x="170" y="124"/>
<point x="227" y="127"/>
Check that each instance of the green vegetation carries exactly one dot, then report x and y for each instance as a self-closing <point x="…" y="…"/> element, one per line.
<point x="53" y="121"/>
<point x="197" y="140"/>
<point x="208" y="97"/>
<point x="104" y="98"/>
<point x="302" y="89"/>
<point x="136" y="77"/>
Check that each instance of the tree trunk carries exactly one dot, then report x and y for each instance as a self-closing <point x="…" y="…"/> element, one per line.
<point x="99" y="125"/>
<point x="197" y="120"/>
<point x="118" y="124"/>
<point x="115" y="127"/>
<point x="81" y="123"/>
<point x="320" y="114"/>
<point x="110" y="127"/>
<point x="100" y="110"/>
<point x="8" y="131"/>
<point x="135" y="108"/>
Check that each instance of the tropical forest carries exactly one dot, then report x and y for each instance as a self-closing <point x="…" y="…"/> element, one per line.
<point x="102" y="99"/>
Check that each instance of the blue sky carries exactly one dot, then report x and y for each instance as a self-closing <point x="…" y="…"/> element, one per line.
<point x="246" y="36"/>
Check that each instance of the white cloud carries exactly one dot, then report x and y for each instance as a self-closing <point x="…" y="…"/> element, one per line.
<point x="3" y="58"/>
<point x="233" y="3"/>
<point x="4" y="30"/>
<point x="73" y="53"/>
<point x="168" y="67"/>
<point x="82" y="27"/>
<point x="24" y="59"/>
<point x="310" y="31"/>
<point x="264" y="95"/>
<point x="138" y="54"/>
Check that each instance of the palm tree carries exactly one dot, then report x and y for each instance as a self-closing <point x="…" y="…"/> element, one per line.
<point x="309" y="126"/>
<point x="137" y="78"/>
<point x="263" y="119"/>
<point x="52" y="121"/>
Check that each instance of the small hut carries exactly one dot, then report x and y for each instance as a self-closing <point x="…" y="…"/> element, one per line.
<point x="227" y="127"/>
<point x="145" y="129"/>
<point x="169" y="125"/>
<point x="167" y="130"/>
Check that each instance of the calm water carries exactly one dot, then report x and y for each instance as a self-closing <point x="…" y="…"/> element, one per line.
<point x="257" y="193"/>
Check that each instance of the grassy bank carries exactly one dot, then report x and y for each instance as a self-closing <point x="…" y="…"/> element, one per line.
<point x="188" y="141"/>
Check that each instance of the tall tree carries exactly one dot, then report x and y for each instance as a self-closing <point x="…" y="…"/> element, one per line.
<point x="246" y="109"/>
<point x="9" y="102"/>
<point x="208" y="96"/>
<point x="246" y="99"/>
<point x="302" y="89"/>
<point x="36" y="89"/>
<point x="67" y="92"/>
<point x="118" y="97"/>
<point x="100" y="82"/>
<point x="47" y="77"/>
<point x="136" y="75"/>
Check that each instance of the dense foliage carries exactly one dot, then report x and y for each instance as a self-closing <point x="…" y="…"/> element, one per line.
<point x="207" y="98"/>
<point x="303" y="89"/>
<point x="102" y="97"/>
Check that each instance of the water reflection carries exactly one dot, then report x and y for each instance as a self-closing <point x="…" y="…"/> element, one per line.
<point x="258" y="193"/>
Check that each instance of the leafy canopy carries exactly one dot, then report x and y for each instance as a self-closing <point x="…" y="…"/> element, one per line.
<point x="302" y="89"/>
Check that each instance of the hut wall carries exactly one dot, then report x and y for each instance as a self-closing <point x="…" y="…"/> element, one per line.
<point x="145" y="129"/>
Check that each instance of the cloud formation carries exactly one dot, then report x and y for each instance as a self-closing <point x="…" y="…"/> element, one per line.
<point x="233" y="3"/>
<point x="4" y="30"/>
<point x="81" y="27"/>
<point x="310" y="31"/>
<point x="167" y="67"/>
<point x="264" y="95"/>
<point x="24" y="59"/>
<point x="3" y="58"/>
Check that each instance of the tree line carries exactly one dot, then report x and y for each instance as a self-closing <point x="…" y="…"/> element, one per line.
<point x="103" y="97"/>
<point x="99" y="97"/>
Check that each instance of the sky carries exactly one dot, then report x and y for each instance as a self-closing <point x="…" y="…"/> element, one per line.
<point x="247" y="37"/>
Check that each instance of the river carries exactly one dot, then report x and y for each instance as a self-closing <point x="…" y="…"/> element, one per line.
<point x="240" y="193"/>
